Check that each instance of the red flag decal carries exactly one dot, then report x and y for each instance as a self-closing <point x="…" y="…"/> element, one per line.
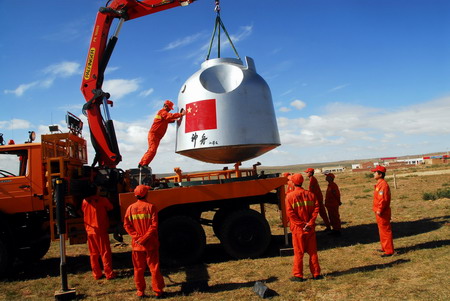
<point x="201" y="115"/>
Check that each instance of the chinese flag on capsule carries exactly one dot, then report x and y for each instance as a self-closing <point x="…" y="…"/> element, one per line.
<point x="201" y="115"/>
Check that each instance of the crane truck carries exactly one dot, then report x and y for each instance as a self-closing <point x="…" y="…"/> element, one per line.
<point x="27" y="193"/>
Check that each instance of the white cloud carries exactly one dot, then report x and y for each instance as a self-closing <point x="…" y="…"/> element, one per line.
<point x="287" y="92"/>
<point x="15" y="124"/>
<point x="344" y="123"/>
<point x="285" y="109"/>
<point x="63" y="69"/>
<point x="21" y="89"/>
<point x="183" y="42"/>
<point x="244" y="32"/>
<point x="110" y="70"/>
<point x="298" y="104"/>
<point x="146" y="93"/>
<point x="118" y="88"/>
<point x="338" y="87"/>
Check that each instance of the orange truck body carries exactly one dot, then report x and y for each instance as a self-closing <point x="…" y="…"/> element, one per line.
<point x="181" y="199"/>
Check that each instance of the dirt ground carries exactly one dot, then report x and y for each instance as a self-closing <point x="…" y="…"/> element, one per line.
<point x="352" y="269"/>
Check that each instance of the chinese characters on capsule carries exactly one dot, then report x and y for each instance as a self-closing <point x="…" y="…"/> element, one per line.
<point x="203" y="140"/>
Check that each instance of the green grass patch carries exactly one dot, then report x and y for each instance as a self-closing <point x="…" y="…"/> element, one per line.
<point x="439" y="194"/>
<point x="368" y="175"/>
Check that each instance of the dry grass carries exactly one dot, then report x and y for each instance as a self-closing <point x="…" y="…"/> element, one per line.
<point x="352" y="271"/>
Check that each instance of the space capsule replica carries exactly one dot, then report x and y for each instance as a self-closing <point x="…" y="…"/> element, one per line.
<point x="229" y="113"/>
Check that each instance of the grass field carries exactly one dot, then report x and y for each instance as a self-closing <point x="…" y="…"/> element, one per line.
<point x="352" y="270"/>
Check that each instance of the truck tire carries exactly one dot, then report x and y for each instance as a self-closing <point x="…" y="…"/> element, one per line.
<point x="4" y="259"/>
<point x="245" y="234"/>
<point x="182" y="240"/>
<point x="35" y="251"/>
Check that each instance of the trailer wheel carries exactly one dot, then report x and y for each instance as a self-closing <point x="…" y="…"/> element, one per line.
<point x="245" y="234"/>
<point x="218" y="219"/>
<point x="182" y="240"/>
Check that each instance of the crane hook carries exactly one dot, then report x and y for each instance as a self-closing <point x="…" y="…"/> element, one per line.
<point x="217" y="7"/>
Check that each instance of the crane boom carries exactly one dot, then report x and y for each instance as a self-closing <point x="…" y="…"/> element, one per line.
<point x="101" y="126"/>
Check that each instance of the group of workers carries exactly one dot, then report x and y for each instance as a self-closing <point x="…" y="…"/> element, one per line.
<point x="303" y="206"/>
<point x="141" y="223"/>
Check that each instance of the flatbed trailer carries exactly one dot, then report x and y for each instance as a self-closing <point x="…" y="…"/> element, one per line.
<point x="182" y="199"/>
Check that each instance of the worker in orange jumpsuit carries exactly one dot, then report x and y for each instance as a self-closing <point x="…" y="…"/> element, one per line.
<point x="158" y="130"/>
<point x="382" y="209"/>
<point x="96" y="223"/>
<point x="302" y="209"/>
<point x="141" y="223"/>
<point x="290" y="186"/>
<point x="315" y="188"/>
<point x="332" y="203"/>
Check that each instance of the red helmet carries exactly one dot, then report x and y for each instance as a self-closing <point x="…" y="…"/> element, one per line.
<point x="141" y="191"/>
<point x="296" y="178"/>
<point x="379" y="168"/>
<point x="169" y="104"/>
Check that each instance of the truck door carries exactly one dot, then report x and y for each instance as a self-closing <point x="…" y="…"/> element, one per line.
<point x="15" y="185"/>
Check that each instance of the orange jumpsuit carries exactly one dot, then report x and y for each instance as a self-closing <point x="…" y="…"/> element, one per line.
<point x="332" y="203"/>
<point x="302" y="209"/>
<point x="382" y="203"/>
<point x="315" y="188"/>
<point x="156" y="133"/>
<point x="141" y="223"/>
<point x="96" y="224"/>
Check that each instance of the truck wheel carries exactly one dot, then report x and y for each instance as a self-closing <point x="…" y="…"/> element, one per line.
<point x="4" y="259"/>
<point x="218" y="219"/>
<point x="35" y="251"/>
<point x="245" y="234"/>
<point x="182" y="240"/>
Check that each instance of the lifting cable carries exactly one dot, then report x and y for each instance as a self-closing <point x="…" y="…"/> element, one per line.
<point x="218" y="25"/>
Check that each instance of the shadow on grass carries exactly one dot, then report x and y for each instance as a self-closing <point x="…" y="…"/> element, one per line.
<point x="197" y="278"/>
<point x="425" y="245"/>
<point x="368" y="233"/>
<point x="215" y="253"/>
<point x="74" y="264"/>
<point x="368" y="268"/>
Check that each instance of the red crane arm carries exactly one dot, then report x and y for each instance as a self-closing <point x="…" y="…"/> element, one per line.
<point x="102" y="130"/>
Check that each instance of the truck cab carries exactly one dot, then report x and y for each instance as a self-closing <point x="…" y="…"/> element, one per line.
<point x="24" y="222"/>
<point x="21" y="178"/>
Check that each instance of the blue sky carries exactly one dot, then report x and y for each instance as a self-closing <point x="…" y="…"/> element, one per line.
<point x="350" y="79"/>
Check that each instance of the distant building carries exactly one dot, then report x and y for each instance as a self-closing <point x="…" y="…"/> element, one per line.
<point x="438" y="159"/>
<point x="333" y="169"/>
<point x="413" y="161"/>
<point x="365" y="166"/>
